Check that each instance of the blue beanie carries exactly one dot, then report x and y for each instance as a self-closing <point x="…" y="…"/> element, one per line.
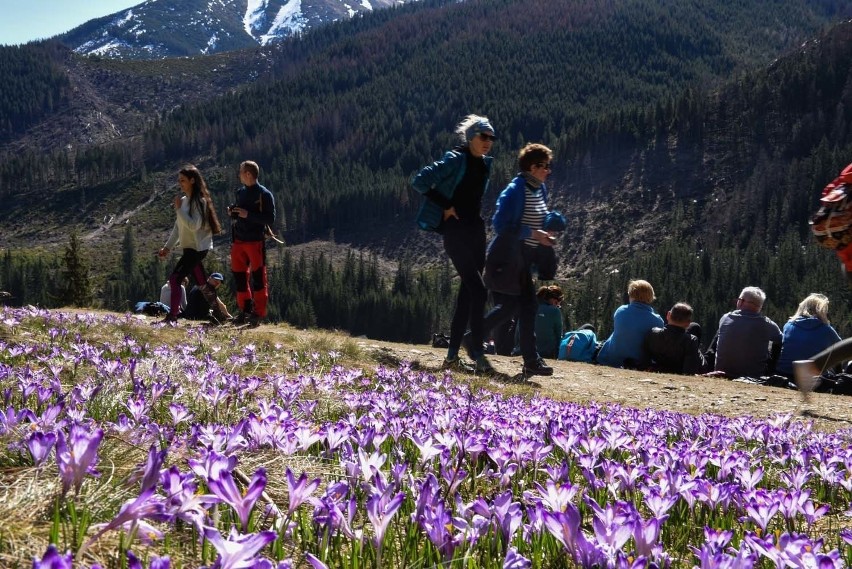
<point x="482" y="125"/>
<point x="217" y="276"/>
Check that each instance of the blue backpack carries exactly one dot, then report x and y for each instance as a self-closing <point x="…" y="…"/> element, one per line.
<point x="578" y="346"/>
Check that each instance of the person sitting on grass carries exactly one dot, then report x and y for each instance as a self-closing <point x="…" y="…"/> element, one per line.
<point x="673" y="349"/>
<point x="624" y="347"/>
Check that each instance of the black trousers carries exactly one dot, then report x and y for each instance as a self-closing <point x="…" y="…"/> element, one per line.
<point x="464" y="243"/>
<point x="524" y="306"/>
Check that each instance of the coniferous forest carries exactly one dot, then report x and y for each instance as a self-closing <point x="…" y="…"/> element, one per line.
<point x="692" y="140"/>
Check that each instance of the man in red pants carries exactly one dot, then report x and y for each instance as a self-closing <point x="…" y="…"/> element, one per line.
<point x="253" y="213"/>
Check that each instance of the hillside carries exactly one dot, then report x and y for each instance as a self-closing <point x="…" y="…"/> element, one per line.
<point x="702" y="149"/>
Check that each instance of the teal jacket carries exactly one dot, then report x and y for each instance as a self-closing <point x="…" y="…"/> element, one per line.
<point x="442" y="176"/>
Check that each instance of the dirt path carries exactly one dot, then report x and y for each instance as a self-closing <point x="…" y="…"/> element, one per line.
<point x="579" y="382"/>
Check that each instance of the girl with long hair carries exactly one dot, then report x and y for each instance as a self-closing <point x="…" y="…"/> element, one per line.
<point x="195" y="224"/>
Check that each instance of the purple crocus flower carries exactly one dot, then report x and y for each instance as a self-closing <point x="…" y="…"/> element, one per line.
<point x="299" y="490"/>
<point x="237" y="551"/>
<point x="40" y="444"/>
<point x="315" y="562"/>
<point x="76" y="455"/>
<point x="515" y="560"/>
<point x="381" y="508"/>
<point x="225" y="487"/>
<point x="154" y="563"/>
<point x="53" y="560"/>
<point x="146" y="506"/>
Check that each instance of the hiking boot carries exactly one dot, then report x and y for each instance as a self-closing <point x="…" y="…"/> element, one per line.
<point x="241" y="318"/>
<point x="254" y="320"/>
<point x="483" y="366"/>
<point x="807" y="377"/>
<point x="537" y="367"/>
<point x="457" y="364"/>
<point x="169" y="319"/>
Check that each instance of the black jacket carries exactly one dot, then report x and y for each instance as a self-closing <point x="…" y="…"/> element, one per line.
<point x="673" y="350"/>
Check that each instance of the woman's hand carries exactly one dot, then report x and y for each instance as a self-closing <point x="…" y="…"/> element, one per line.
<point x="451" y="212"/>
<point x="544" y="238"/>
<point x="177" y="202"/>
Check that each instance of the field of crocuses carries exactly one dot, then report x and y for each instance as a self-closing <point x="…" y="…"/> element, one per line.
<point x="123" y="447"/>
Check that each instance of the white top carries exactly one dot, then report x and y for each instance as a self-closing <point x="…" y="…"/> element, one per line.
<point x="166" y="295"/>
<point x="189" y="231"/>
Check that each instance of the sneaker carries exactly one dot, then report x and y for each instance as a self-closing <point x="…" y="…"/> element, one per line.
<point x="482" y="365"/>
<point x="457" y="364"/>
<point x="537" y="367"/>
<point x="807" y="377"/>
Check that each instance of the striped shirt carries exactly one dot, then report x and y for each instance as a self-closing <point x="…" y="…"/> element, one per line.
<point x="534" y="212"/>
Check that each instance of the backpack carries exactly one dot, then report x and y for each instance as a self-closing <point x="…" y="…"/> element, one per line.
<point x="578" y="346"/>
<point x="832" y="223"/>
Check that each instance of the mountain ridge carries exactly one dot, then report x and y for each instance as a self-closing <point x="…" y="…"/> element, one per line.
<point x="157" y="30"/>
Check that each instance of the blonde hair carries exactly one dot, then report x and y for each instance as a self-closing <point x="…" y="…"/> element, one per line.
<point x="641" y="291"/>
<point x="815" y="305"/>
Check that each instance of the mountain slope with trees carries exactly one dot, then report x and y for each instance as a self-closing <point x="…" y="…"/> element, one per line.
<point x="652" y="153"/>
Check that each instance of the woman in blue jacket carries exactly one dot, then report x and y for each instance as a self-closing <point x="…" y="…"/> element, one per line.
<point x="631" y="322"/>
<point x="518" y="221"/>
<point x="453" y="188"/>
<point x="807" y="333"/>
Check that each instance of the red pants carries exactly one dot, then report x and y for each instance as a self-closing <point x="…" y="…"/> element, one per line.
<point x="248" y="263"/>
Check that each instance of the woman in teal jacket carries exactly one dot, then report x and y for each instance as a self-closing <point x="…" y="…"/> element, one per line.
<point x="453" y="188"/>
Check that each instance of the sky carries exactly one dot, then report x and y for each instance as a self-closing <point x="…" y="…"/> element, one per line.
<point x="28" y="20"/>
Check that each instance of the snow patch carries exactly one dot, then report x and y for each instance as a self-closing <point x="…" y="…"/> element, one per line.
<point x="211" y="44"/>
<point x="290" y="18"/>
<point x="253" y="15"/>
<point x="121" y="21"/>
<point x="366" y="4"/>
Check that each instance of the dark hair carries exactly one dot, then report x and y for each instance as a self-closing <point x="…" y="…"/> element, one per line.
<point x="200" y="198"/>
<point x="533" y="153"/>
<point x="680" y="312"/>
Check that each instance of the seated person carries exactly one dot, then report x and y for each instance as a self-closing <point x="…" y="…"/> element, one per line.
<point x="204" y="304"/>
<point x="673" y="349"/>
<point x="166" y="294"/>
<point x="579" y="345"/>
<point x="807" y="333"/>
<point x="748" y="343"/>
<point x="548" y="322"/>
<point x="624" y="347"/>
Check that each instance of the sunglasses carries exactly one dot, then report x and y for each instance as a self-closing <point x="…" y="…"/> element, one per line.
<point x="487" y="137"/>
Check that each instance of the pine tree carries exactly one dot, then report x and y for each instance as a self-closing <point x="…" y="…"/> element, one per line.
<point x="76" y="288"/>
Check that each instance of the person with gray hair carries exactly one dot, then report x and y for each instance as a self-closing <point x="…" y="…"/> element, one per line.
<point x="748" y="343"/>
<point x="453" y="188"/>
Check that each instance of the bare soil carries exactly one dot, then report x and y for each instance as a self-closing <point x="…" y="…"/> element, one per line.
<point x="696" y="395"/>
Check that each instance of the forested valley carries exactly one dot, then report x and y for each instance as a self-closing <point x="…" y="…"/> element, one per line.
<point x="691" y="142"/>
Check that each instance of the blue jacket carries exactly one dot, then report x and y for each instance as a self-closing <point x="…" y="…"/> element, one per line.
<point x="803" y="338"/>
<point x="631" y="323"/>
<point x="510" y="209"/>
<point x="443" y="176"/>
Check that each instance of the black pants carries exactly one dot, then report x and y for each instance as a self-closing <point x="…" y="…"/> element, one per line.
<point x="188" y="264"/>
<point x="464" y="243"/>
<point x="524" y="306"/>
